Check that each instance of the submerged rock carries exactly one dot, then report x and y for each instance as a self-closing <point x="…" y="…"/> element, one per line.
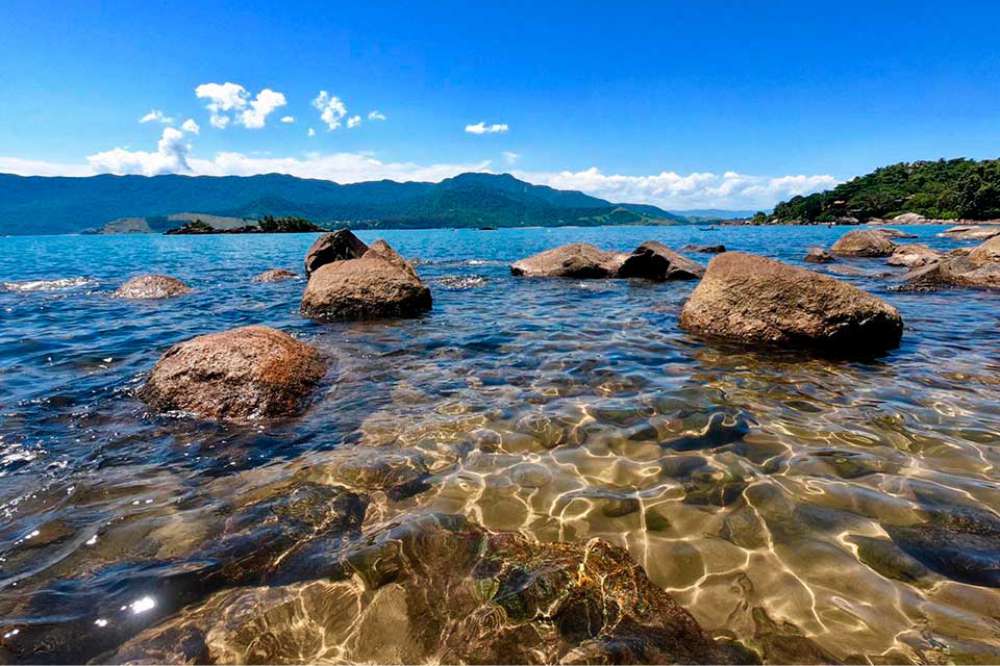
<point x="817" y="255"/>
<point x="912" y="255"/>
<point x="335" y="246"/>
<point x="705" y="249"/>
<point x="451" y="593"/>
<point x="863" y="243"/>
<point x="576" y="260"/>
<point x="378" y="284"/>
<point x="961" y="543"/>
<point x="151" y="287"/>
<point x="895" y="233"/>
<point x="239" y="374"/>
<point x="656" y="261"/>
<point x="275" y="275"/>
<point x="979" y="268"/>
<point x="753" y="300"/>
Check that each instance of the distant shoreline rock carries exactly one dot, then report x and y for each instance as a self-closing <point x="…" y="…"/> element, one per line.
<point x="652" y="260"/>
<point x="863" y="243"/>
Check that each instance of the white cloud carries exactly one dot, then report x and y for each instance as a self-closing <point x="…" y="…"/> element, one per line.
<point x="190" y="126"/>
<point x="156" y="116"/>
<point x="261" y="107"/>
<point x="353" y="121"/>
<point x="23" y="167"/>
<point x="288" y="120"/>
<point x="224" y="98"/>
<point x="674" y="191"/>
<point x="510" y="157"/>
<point x="311" y="132"/>
<point x="376" y="115"/>
<point x="332" y="109"/>
<point x="483" y="128"/>
<point x="171" y="156"/>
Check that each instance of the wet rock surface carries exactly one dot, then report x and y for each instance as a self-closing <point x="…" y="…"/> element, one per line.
<point x="335" y="246"/>
<point x="655" y="261"/>
<point x="244" y="373"/>
<point x="971" y="232"/>
<point x="275" y="275"/>
<point x="705" y="249"/>
<point x="378" y="285"/>
<point x="576" y="260"/>
<point x="817" y="255"/>
<point x="151" y="287"/>
<point x="863" y="243"/>
<point x="451" y="593"/>
<point x="912" y="255"/>
<point x="750" y="299"/>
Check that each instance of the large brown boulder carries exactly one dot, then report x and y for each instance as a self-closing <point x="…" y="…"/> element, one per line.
<point x="378" y="284"/>
<point x="979" y="268"/>
<point x="863" y="243"/>
<point x="656" y="261"/>
<point x="151" y="287"/>
<point x="750" y="299"/>
<point x="335" y="246"/>
<point x="576" y="260"/>
<point x="240" y="374"/>
<point x="912" y="255"/>
<point x="971" y="232"/>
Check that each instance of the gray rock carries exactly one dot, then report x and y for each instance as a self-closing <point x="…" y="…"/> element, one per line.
<point x="151" y="287"/>
<point x="335" y="246"/>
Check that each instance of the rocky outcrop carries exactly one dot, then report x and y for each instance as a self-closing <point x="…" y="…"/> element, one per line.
<point x="979" y="268"/>
<point x="656" y="261"/>
<point x="378" y="284"/>
<point x="576" y="260"/>
<point x="243" y="373"/>
<point x="450" y="592"/>
<point x="754" y="300"/>
<point x="912" y="255"/>
<point x="895" y="233"/>
<point x="863" y="243"/>
<point x="909" y="218"/>
<point x="152" y="287"/>
<point x="817" y="255"/>
<point x="275" y="275"/>
<point x="705" y="249"/>
<point x="970" y="232"/>
<point x="334" y="246"/>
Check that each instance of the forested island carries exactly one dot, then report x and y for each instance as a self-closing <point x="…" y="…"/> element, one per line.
<point x="266" y="225"/>
<point x="939" y="190"/>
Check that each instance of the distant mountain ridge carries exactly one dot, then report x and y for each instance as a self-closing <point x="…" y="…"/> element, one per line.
<point x="39" y="205"/>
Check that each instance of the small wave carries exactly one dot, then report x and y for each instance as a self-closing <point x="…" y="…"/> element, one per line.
<point x="462" y="281"/>
<point x="49" y="285"/>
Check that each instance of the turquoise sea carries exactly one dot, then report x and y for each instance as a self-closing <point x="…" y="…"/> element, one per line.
<point x="812" y="508"/>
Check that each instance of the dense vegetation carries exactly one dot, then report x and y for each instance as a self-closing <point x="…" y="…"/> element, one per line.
<point x="67" y="205"/>
<point x="946" y="189"/>
<point x="266" y="225"/>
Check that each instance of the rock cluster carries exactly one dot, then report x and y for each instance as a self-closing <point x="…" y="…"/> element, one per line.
<point x="817" y="255"/>
<point x="651" y="260"/>
<point x="275" y="275"/>
<point x="243" y="373"/>
<point x="150" y="287"/>
<point x="349" y="280"/>
<point x="979" y="268"/>
<point x="750" y="299"/>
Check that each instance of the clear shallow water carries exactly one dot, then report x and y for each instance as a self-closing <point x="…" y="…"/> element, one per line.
<point x="782" y="499"/>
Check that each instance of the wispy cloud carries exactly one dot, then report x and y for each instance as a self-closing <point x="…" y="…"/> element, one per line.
<point x="510" y="157"/>
<point x="190" y="126"/>
<point x="288" y="120"/>
<point x="672" y="190"/>
<point x="376" y="115"/>
<point x="353" y="121"/>
<point x="156" y="116"/>
<point x="483" y="128"/>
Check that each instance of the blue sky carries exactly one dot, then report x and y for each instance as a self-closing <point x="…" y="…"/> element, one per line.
<point x="696" y="104"/>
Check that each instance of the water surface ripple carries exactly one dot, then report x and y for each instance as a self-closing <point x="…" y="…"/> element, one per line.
<point x="815" y="509"/>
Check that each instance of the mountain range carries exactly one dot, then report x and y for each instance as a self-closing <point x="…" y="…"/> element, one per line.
<point x="55" y="205"/>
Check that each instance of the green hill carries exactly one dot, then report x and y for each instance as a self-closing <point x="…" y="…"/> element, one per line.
<point x="39" y="205"/>
<point x="945" y="189"/>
